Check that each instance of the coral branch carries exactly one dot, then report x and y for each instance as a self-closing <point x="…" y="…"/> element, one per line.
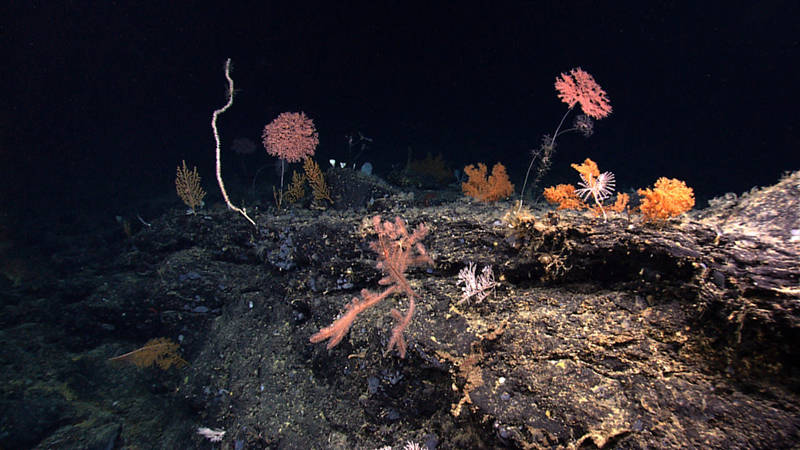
<point x="336" y="331"/>
<point x="397" y="250"/>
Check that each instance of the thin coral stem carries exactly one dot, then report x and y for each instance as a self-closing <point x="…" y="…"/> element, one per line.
<point x="397" y="340"/>
<point x="552" y="143"/>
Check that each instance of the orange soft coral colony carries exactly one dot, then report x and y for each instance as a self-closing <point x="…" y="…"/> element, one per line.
<point x="621" y="202"/>
<point x="484" y="189"/>
<point x="588" y="169"/>
<point x="598" y="186"/>
<point x="564" y="196"/>
<point x="669" y="198"/>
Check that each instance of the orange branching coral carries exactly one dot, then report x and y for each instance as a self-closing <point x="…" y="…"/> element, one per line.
<point x="161" y="352"/>
<point x="669" y="198"/>
<point x="588" y="169"/>
<point x="621" y="203"/>
<point x="598" y="186"/>
<point x="618" y="206"/>
<point x="564" y="196"/>
<point x="594" y="184"/>
<point x="484" y="189"/>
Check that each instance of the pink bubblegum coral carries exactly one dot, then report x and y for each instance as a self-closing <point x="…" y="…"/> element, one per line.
<point x="578" y="86"/>
<point x="291" y="137"/>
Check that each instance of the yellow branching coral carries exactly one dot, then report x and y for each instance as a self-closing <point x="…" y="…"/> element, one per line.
<point x="187" y="184"/>
<point x="484" y="189"/>
<point x="297" y="189"/>
<point x="669" y="198"/>
<point x="317" y="181"/>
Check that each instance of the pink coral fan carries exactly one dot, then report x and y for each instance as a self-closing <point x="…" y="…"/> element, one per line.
<point x="291" y="137"/>
<point x="578" y="86"/>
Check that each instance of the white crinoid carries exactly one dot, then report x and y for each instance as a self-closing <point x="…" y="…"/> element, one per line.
<point x="600" y="188"/>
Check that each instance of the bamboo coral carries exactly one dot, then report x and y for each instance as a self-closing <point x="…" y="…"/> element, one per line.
<point x="397" y="250"/>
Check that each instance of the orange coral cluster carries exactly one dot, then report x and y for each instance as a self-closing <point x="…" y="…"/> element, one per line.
<point x="484" y="189"/>
<point x="669" y="198"/>
<point x="588" y="169"/>
<point x="296" y="189"/>
<point x="564" y="196"/>
<point x="567" y="197"/>
<point x="621" y="203"/>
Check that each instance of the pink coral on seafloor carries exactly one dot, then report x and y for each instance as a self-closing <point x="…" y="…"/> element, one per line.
<point x="397" y="250"/>
<point x="579" y="86"/>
